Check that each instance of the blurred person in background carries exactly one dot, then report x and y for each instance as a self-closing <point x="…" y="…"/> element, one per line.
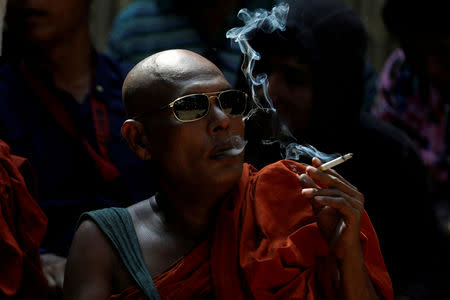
<point x="60" y="107"/>
<point x="414" y="89"/>
<point x="315" y="72"/>
<point x="149" y="26"/>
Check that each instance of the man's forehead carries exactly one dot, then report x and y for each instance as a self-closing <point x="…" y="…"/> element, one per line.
<point x="181" y="64"/>
<point x="186" y="73"/>
<point x="167" y="75"/>
<point x="201" y="83"/>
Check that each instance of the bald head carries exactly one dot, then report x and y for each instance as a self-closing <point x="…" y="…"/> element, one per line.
<point x="163" y="77"/>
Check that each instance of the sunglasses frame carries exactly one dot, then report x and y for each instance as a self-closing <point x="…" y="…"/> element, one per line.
<point x="215" y="95"/>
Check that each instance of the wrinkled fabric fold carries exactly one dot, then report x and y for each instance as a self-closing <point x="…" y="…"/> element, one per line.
<point x="266" y="245"/>
<point x="22" y="228"/>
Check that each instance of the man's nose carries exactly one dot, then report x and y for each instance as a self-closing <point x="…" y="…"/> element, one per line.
<point x="218" y="119"/>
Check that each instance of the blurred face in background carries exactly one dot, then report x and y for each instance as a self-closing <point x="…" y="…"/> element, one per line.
<point x="291" y="90"/>
<point x="430" y="57"/>
<point x="47" y="20"/>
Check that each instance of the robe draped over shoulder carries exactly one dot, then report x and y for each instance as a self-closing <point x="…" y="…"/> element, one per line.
<point x="266" y="245"/>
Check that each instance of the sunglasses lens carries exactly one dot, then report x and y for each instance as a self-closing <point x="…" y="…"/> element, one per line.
<point x="191" y="107"/>
<point x="233" y="102"/>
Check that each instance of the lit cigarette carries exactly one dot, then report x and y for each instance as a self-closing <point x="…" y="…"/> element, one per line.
<point x="335" y="162"/>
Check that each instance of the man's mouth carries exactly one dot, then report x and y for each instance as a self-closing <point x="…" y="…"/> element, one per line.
<point x="233" y="146"/>
<point x="223" y="152"/>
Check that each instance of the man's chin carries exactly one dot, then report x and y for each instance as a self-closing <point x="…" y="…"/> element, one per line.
<point x="227" y="169"/>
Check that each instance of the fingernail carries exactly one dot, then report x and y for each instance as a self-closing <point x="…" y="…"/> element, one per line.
<point x="309" y="170"/>
<point x="309" y="192"/>
<point x="319" y="198"/>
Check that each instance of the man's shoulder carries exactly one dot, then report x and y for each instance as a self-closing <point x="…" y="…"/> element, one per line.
<point x="93" y="264"/>
<point x="89" y="235"/>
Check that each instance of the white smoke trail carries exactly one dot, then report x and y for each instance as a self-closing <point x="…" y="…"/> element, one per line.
<point x="238" y="144"/>
<point x="267" y="22"/>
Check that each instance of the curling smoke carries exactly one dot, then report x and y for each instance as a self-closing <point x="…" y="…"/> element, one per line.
<point x="238" y="145"/>
<point x="267" y="22"/>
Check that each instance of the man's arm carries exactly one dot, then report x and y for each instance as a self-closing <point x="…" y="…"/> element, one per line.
<point x="339" y="208"/>
<point x="90" y="264"/>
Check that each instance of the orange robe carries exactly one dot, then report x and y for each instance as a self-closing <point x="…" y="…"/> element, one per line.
<point x="22" y="228"/>
<point x="266" y="245"/>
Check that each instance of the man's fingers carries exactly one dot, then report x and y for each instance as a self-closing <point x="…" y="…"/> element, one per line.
<point x="349" y="212"/>
<point x="329" y="180"/>
<point x="308" y="188"/>
<point x="317" y="163"/>
<point x="354" y="202"/>
<point x="307" y="181"/>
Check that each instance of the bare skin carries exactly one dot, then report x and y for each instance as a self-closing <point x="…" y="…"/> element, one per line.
<point x="166" y="231"/>
<point x="339" y="207"/>
<point x="193" y="183"/>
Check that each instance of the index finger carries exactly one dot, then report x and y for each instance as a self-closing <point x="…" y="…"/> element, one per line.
<point x="317" y="163"/>
<point x="331" y="181"/>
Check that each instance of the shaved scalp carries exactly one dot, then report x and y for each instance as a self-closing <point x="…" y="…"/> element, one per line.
<point x="161" y="78"/>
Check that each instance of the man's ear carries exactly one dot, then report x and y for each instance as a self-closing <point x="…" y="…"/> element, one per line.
<point x="133" y="132"/>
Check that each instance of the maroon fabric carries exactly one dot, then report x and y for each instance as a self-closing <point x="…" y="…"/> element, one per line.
<point x="266" y="246"/>
<point x="22" y="228"/>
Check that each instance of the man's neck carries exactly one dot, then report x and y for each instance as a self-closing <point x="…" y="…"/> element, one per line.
<point x="190" y="213"/>
<point x="69" y="61"/>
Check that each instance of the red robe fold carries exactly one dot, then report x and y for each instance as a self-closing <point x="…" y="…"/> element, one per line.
<point x="22" y="228"/>
<point x="266" y="246"/>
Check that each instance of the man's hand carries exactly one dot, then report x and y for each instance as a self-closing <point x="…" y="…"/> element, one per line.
<point x="53" y="267"/>
<point x="338" y="206"/>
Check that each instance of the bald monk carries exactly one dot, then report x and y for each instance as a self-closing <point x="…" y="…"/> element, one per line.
<point x="218" y="228"/>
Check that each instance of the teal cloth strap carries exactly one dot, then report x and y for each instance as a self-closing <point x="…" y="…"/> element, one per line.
<point x="117" y="225"/>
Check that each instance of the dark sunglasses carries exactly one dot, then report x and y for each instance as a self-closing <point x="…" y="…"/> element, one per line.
<point x="193" y="107"/>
